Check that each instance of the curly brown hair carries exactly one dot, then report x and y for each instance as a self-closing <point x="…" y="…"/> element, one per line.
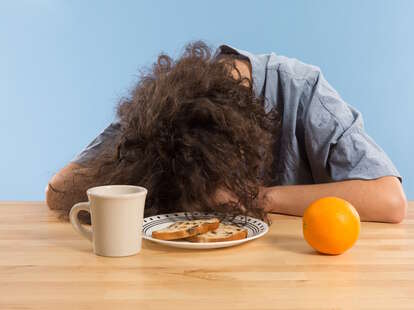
<point x="190" y="127"/>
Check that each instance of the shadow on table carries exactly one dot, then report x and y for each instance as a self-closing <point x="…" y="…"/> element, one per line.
<point x="290" y="243"/>
<point x="285" y="242"/>
<point x="148" y="245"/>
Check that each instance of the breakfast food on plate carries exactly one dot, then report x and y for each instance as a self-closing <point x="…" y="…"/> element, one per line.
<point x="184" y="229"/>
<point x="222" y="233"/>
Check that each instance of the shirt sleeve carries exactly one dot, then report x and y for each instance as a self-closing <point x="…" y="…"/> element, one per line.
<point x="97" y="145"/>
<point x="337" y="146"/>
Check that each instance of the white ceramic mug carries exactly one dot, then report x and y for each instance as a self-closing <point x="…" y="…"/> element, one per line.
<point x="117" y="213"/>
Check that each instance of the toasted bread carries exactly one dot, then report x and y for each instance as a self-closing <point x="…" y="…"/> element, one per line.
<point x="222" y="233"/>
<point x="184" y="229"/>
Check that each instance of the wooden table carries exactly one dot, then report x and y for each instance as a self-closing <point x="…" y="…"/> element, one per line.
<point x="45" y="264"/>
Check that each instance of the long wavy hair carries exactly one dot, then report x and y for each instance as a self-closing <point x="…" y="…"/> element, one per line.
<point x="189" y="127"/>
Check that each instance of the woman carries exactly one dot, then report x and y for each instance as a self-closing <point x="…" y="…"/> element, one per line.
<point x="238" y="133"/>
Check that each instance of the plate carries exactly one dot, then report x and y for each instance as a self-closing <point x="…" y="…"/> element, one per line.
<point x="255" y="229"/>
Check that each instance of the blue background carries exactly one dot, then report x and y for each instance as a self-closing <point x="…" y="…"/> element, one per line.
<point x="65" y="64"/>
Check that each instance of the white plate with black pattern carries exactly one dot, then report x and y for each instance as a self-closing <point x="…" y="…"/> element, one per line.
<point x="255" y="229"/>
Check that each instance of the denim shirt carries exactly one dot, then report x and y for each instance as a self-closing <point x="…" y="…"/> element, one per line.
<point x="322" y="138"/>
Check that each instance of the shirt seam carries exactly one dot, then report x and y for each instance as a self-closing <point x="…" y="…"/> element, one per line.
<point x="274" y="68"/>
<point x="310" y="85"/>
<point x="328" y="110"/>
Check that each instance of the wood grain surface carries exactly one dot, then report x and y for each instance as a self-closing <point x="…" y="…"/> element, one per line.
<point x="45" y="264"/>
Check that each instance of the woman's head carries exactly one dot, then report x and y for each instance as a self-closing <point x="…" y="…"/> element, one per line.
<point x="192" y="126"/>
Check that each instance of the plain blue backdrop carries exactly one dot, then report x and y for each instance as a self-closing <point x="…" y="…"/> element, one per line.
<point x="65" y="64"/>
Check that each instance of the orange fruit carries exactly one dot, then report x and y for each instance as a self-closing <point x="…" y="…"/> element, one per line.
<point x="331" y="225"/>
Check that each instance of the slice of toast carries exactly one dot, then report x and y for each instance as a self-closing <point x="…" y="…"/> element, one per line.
<point x="222" y="233"/>
<point x="184" y="229"/>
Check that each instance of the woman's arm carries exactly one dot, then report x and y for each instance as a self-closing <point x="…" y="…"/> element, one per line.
<point x="379" y="200"/>
<point x="58" y="190"/>
<point x="69" y="185"/>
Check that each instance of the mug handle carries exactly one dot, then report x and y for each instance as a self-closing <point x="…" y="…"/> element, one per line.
<point x="73" y="216"/>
